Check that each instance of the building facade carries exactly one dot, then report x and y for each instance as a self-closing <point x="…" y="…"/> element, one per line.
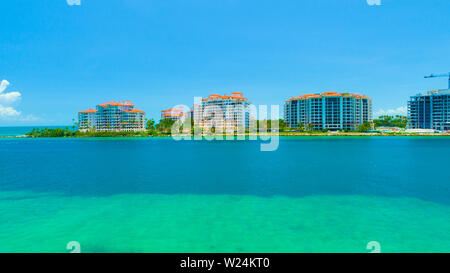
<point x="175" y="114"/>
<point x="328" y="111"/>
<point x="112" y="117"/>
<point x="223" y="112"/>
<point x="430" y="110"/>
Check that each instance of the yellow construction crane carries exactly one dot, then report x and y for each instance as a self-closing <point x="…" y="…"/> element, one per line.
<point x="440" y="75"/>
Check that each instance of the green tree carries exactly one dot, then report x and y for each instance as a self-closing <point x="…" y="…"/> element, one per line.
<point x="282" y="124"/>
<point x="365" y="126"/>
<point x="391" y="121"/>
<point x="263" y="124"/>
<point x="165" y="125"/>
<point x="151" y="125"/>
<point x="75" y="124"/>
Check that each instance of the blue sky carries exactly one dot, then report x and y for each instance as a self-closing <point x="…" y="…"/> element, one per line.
<point x="62" y="58"/>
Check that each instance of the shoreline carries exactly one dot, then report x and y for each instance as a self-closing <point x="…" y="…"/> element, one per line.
<point x="284" y="134"/>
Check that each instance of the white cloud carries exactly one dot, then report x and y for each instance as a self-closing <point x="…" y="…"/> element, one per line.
<point x="74" y="2"/>
<point x="402" y="110"/>
<point x="3" y="85"/>
<point x="6" y="99"/>
<point x="29" y="118"/>
<point x="8" y="112"/>
<point x="10" y="97"/>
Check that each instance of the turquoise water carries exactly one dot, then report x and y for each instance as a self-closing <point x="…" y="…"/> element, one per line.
<point x="314" y="194"/>
<point x="22" y="130"/>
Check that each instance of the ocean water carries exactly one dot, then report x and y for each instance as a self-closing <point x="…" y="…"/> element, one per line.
<point x="313" y="194"/>
<point x="23" y="130"/>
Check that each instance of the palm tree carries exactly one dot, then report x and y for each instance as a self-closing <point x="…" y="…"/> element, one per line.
<point x="150" y="124"/>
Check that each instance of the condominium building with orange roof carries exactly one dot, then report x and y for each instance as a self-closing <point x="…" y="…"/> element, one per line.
<point x="175" y="114"/>
<point x="112" y="117"/>
<point x="227" y="112"/>
<point x="328" y="111"/>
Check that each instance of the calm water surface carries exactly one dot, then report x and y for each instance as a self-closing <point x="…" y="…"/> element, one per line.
<point x="314" y="194"/>
<point x="23" y="130"/>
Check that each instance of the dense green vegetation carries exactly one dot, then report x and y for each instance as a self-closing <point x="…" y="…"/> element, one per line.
<point x="165" y="125"/>
<point x="391" y="121"/>
<point x="52" y="132"/>
<point x="261" y="124"/>
<point x="301" y="127"/>
<point x="365" y="127"/>
<point x="59" y="132"/>
<point x="153" y="129"/>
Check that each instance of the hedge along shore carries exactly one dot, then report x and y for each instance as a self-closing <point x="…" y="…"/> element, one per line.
<point x="284" y="134"/>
